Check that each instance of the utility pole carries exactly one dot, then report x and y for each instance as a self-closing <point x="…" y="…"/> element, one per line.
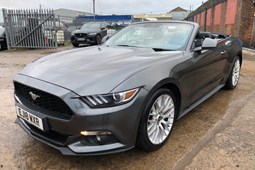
<point x="94" y="9"/>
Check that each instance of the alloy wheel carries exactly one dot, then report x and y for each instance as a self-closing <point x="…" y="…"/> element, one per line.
<point x="160" y="119"/>
<point x="236" y="73"/>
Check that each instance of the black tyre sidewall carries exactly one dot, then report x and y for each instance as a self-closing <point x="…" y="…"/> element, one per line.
<point x="98" y="39"/>
<point x="143" y="140"/>
<point x="75" y="44"/>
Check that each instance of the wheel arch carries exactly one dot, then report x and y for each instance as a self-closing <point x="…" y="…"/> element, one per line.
<point x="177" y="94"/>
<point x="172" y="85"/>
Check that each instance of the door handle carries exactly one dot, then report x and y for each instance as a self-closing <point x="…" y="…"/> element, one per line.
<point x="228" y="43"/>
<point x="223" y="52"/>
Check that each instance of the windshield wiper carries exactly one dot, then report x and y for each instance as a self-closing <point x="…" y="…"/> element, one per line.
<point x="125" y="45"/>
<point x="155" y="49"/>
<point x="161" y="49"/>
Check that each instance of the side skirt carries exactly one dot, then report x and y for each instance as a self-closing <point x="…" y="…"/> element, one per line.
<point x="200" y="101"/>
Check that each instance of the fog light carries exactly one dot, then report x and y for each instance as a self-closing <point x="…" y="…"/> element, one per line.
<point x="95" y="133"/>
<point x="99" y="139"/>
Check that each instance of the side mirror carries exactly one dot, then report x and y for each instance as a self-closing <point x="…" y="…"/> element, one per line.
<point x="105" y="39"/>
<point x="103" y="28"/>
<point x="209" y="44"/>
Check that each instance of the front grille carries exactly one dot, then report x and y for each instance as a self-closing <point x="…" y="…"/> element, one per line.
<point x="81" y="35"/>
<point x="45" y="102"/>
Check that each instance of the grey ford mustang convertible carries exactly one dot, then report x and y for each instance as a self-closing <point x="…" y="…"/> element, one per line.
<point x="127" y="92"/>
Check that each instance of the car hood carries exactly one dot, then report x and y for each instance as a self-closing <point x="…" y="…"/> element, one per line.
<point x="86" y="31"/>
<point x="94" y="70"/>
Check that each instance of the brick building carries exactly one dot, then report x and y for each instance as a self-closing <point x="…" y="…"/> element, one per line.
<point x="233" y="17"/>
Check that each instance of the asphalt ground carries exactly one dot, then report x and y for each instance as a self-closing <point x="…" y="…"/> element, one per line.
<point x="218" y="134"/>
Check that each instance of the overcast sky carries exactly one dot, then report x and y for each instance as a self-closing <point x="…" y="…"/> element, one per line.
<point x="104" y="6"/>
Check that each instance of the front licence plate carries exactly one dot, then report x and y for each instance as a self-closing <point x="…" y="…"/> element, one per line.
<point x="30" y="118"/>
<point x="81" y="39"/>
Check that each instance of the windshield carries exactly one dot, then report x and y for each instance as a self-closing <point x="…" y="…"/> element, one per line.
<point x="164" y="36"/>
<point x="1" y="31"/>
<point x="91" y="26"/>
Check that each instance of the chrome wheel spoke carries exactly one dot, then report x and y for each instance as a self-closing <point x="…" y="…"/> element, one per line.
<point x="158" y="105"/>
<point x="168" y="106"/>
<point x="152" y="129"/>
<point x="165" y="131"/>
<point x="155" y="134"/>
<point x="153" y="109"/>
<point x="168" y="123"/>
<point x="169" y="113"/>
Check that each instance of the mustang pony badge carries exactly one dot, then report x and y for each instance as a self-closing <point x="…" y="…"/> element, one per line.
<point x="34" y="96"/>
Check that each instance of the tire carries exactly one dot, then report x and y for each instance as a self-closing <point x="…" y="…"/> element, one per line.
<point x="234" y="76"/>
<point x="98" y="40"/>
<point x="154" y="129"/>
<point x="76" y="44"/>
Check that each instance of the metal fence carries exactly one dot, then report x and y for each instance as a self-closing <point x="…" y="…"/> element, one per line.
<point x="30" y="28"/>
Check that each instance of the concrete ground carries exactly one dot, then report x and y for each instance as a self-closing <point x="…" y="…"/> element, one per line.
<point x="218" y="134"/>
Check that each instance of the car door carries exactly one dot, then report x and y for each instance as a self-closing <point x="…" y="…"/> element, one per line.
<point x="205" y="72"/>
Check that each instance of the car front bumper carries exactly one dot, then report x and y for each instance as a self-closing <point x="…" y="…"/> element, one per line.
<point x="87" y="39"/>
<point x="3" y="44"/>
<point x="120" y="122"/>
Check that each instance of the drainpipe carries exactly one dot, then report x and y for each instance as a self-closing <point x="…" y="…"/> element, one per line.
<point x="252" y="43"/>
<point x="205" y="19"/>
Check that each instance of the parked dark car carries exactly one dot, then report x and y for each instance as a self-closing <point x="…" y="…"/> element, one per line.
<point x="3" y="44"/>
<point x="126" y="92"/>
<point x="89" y="33"/>
<point x="116" y="26"/>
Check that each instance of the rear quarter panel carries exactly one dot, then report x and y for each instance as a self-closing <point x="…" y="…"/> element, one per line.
<point x="234" y="50"/>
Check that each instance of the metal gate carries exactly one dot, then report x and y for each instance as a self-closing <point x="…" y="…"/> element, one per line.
<point x="30" y="28"/>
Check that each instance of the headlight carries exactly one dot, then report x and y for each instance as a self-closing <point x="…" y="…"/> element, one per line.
<point x="109" y="100"/>
<point x="91" y="34"/>
<point x="72" y="33"/>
